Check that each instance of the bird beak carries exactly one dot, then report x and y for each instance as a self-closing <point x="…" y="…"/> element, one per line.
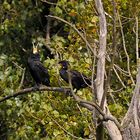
<point x="35" y="49"/>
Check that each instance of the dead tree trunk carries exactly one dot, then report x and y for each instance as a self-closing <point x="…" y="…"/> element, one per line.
<point x="131" y="122"/>
<point x="113" y="131"/>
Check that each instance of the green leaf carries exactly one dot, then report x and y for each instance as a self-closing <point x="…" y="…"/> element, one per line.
<point x="56" y="113"/>
<point x="86" y="131"/>
<point x="56" y="132"/>
<point x="58" y="10"/>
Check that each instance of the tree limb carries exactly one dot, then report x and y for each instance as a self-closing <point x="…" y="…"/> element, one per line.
<point x="105" y="117"/>
<point x="31" y="89"/>
<point x="87" y="104"/>
<point x="107" y="83"/>
<point x="91" y="105"/>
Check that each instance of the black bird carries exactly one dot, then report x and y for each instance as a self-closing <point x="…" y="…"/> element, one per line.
<point x="38" y="71"/>
<point x="78" y="79"/>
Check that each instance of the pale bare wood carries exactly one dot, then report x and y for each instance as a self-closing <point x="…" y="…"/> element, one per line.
<point x="113" y="130"/>
<point x="131" y="121"/>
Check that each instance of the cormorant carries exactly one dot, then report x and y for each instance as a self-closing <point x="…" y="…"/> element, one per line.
<point x="78" y="79"/>
<point x="38" y="71"/>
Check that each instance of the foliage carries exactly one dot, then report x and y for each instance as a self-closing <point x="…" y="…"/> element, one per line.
<point x="50" y="114"/>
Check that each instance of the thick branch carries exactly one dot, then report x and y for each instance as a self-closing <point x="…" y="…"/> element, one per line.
<point x="107" y="83"/>
<point x="87" y="104"/>
<point x="90" y="105"/>
<point x="102" y="51"/>
<point x="28" y="90"/>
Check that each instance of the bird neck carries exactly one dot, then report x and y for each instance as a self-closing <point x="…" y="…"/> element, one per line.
<point x="36" y="57"/>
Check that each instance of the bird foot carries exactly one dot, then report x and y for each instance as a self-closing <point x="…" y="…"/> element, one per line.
<point x="68" y="93"/>
<point x="36" y="87"/>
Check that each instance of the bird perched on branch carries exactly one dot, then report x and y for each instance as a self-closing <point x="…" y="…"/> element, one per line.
<point x="38" y="71"/>
<point x="78" y="80"/>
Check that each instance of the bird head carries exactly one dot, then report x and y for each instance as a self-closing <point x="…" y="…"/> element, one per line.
<point x="35" y="49"/>
<point x="64" y="64"/>
<point x="35" y="54"/>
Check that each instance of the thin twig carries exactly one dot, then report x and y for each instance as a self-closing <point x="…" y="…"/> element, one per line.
<point x="65" y="129"/>
<point x="17" y="65"/>
<point x="84" y="79"/>
<point x="126" y="53"/>
<point x="112" y="91"/>
<point x="121" y="70"/>
<point x="51" y="3"/>
<point x="60" y="126"/>
<point x="119" y="77"/>
<point x="73" y="26"/>
<point x="22" y="79"/>
<point x="46" y="115"/>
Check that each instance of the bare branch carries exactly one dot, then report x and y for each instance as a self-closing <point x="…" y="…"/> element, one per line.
<point x="73" y="26"/>
<point x="90" y="105"/>
<point x="87" y="104"/>
<point x="31" y="89"/>
<point x="22" y="79"/>
<point x="102" y="51"/>
<point x="51" y="3"/>
<point x="111" y="126"/>
<point x="19" y="67"/>
<point x="113" y="57"/>
<point x="126" y="53"/>
<point x="119" y="77"/>
<point x="105" y="117"/>
<point x="121" y="70"/>
<point x="137" y="41"/>
<point x="75" y="137"/>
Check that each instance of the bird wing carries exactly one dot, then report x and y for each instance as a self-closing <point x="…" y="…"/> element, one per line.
<point x="41" y="69"/>
<point x="42" y="73"/>
<point x="80" y="76"/>
<point x="75" y="73"/>
<point x="64" y="75"/>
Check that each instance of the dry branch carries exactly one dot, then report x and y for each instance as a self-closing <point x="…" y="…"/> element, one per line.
<point x="125" y="50"/>
<point x="32" y="89"/>
<point x="87" y="104"/>
<point x="112" y="128"/>
<point x="73" y="26"/>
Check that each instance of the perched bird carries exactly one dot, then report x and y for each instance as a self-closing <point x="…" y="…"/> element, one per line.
<point x="38" y="71"/>
<point x="78" y="79"/>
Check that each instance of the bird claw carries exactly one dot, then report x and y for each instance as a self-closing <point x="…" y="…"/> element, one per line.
<point x="36" y="87"/>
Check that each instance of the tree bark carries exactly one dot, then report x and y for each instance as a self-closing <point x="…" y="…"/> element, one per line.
<point x="113" y="130"/>
<point x="131" y="122"/>
<point x="102" y="51"/>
